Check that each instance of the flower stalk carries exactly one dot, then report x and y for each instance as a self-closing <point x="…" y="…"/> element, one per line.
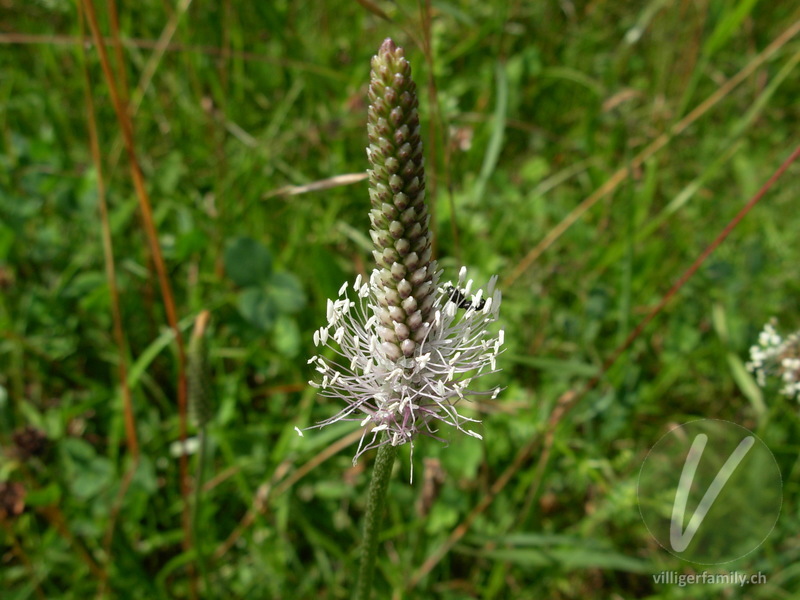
<point x="373" y="519"/>
<point x="201" y="410"/>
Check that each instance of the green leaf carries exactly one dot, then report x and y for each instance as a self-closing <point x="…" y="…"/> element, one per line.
<point x="287" y="337"/>
<point x="77" y="450"/>
<point x="143" y="486"/>
<point x="86" y="473"/>
<point x="148" y="355"/>
<point x="465" y="460"/>
<point x="575" y="558"/>
<point x="568" y="552"/>
<point x="563" y="368"/>
<point x="443" y="517"/>
<point x="169" y="173"/>
<point x="6" y="240"/>
<point x="287" y="292"/>
<point x="145" y="476"/>
<point x="497" y="133"/>
<point x="85" y="283"/>
<point x="257" y="307"/>
<point x="189" y="243"/>
<point x="45" y="496"/>
<point x="728" y="26"/>
<point x="747" y="384"/>
<point x="92" y="478"/>
<point x="247" y="262"/>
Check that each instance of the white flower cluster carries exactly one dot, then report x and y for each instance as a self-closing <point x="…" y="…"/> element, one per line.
<point x="777" y="356"/>
<point x="407" y="395"/>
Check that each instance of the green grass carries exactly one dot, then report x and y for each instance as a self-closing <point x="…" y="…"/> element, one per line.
<point x="550" y="99"/>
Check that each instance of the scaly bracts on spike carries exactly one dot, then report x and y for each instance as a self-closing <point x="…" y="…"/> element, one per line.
<point x="409" y="349"/>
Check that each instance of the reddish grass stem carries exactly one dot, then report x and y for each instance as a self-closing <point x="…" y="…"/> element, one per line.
<point x="155" y="249"/>
<point x="113" y="15"/>
<point x="129" y="418"/>
<point x="108" y="255"/>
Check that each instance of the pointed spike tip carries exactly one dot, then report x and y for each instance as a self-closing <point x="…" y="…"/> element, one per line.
<point x="388" y="46"/>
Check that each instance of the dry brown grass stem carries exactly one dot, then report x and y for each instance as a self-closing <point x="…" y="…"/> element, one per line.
<point x="113" y="15"/>
<point x="111" y="275"/>
<point x="129" y="418"/>
<point x="145" y="207"/>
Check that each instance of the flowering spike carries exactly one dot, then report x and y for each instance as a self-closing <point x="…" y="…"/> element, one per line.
<point x="407" y="353"/>
<point x="777" y="356"/>
<point x="400" y="215"/>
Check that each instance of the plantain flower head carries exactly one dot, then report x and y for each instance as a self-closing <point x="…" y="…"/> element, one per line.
<point x="408" y="348"/>
<point x="779" y="357"/>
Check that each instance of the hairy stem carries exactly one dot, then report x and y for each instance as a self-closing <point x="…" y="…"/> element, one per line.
<point x="374" y="519"/>
<point x="198" y="491"/>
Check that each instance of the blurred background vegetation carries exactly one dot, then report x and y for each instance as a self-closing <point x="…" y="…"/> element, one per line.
<point x="529" y="108"/>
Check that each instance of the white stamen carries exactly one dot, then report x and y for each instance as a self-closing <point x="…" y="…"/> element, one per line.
<point x="404" y="395"/>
